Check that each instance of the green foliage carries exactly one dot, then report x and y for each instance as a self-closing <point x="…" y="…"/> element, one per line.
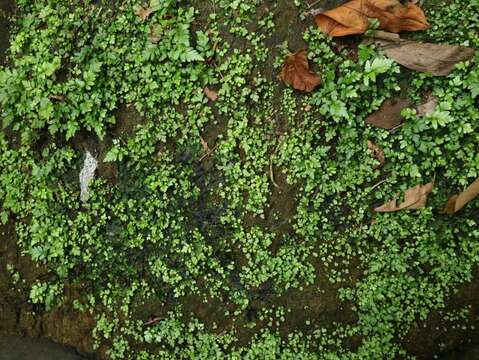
<point x="189" y="251"/>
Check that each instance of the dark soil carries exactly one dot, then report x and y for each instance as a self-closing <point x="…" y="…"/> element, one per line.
<point x="6" y="9"/>
<point x="19" y="317"/>
<point x="17" y="348"/>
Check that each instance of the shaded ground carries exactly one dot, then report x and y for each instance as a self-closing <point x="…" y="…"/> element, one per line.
<point x="6" y="8"/>
<point x="19" y="317"/>
<point x="16" y="348"/>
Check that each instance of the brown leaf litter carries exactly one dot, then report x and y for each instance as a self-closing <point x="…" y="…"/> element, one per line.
<point x="457" y="202"/>
<point x="353" y="17"/>
<point x="414" y="198"/>
<point x="296" y="72"/>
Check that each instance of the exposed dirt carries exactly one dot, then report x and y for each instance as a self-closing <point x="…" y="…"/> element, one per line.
<point x="18" y="348"/>
<point x="6" y="9"/>
<point x="436" y="335"/>
<point x="18" y="316"/>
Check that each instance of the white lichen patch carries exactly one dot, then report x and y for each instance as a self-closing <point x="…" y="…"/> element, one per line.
<point x="87" y="174"/>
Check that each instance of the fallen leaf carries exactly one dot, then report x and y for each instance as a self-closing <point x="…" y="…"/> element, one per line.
<point x="457" y="202"/>
<point x="388" y="115"/>
<point x="428" y="107"/>
<point x="384" y="35"/>
<point x="211" y="94"/>
<point x="353" y="17"/>
<point x="144" y="12"/>
<point x="296" y="72"/>
<point x="436" y="59"/>
<point x="155" y="35"/>
<point x="204" y="144"/>
<point x="57" y="97"/>
<point x="377" y="153"/>
<point x="414" y="198"/>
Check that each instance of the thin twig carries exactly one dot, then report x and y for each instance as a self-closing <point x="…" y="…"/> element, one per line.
<point x="384" y="35"/>
<point x="314" y="3"/>
<point x="216" y="68"/>
<point x="396" y="127"/>
<point x="314" y="12"/>
<point x="378" y="184"/>
<point x="208" y="153"/>
<point x="154" y="320"/>
<point x="271" y="173"/>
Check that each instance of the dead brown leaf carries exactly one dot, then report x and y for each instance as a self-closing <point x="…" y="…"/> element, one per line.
<point x="457" y="202"/>
<point x="377" y="153"/>
<point x="211" y="94"/>
<point x="204" y="144"/>
<point x="353" y="17"/>
<point x="388" y="115"/>
<point x="436" y="59"/>
<point x="414" y="198"/>
<point x="384" y="35"/>
<point x="144" y="12"/>
<point x="155" y="36"/>
<point x="58" y="97"/>
<point x="296" y="72"/>
<point x="428" y="107"/>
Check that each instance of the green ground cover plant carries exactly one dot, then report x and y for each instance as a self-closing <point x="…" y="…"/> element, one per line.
<point x="237" y="228"/>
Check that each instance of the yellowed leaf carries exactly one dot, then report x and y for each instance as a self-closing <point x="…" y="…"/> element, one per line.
<point x="414" y="198"/>
<point x="457" y="202"/>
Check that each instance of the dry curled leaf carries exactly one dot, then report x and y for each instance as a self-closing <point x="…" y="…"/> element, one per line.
<point x="457" y="202"/>
<point x="388" y="115"/>
<point x="414" y="198"/>
<point x="296" y="72"/>
<point x="377" y="153"/>
<point x="210" y="94"/>
<point x="353" y="17"/>
<point x="436" y="59"/>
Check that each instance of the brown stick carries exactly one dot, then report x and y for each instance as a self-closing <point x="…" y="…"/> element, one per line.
<point x="271" y="174"/>
<point x="384" y="35"/>
<point x="154" y="320"/>
<point x="208" y="153"/>
<point x="378" y="184"/>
